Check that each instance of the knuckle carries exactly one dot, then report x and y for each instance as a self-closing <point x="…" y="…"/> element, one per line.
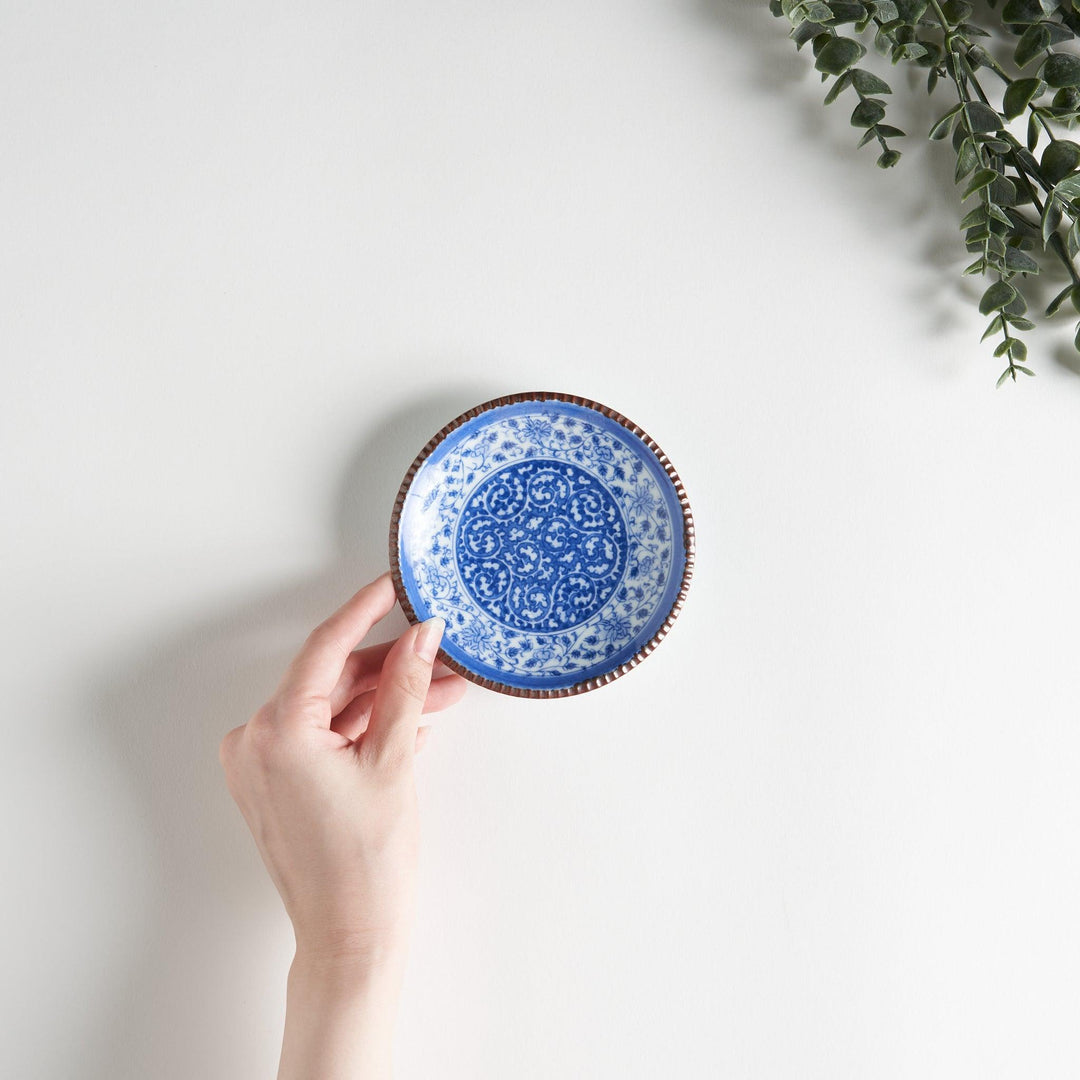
<point x="227" y="748"/>
<point x="324" y="636"/>
<point x="262" y="736"/>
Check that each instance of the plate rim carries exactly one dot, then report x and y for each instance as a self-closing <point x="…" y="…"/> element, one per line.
<point x="689" y="546"/>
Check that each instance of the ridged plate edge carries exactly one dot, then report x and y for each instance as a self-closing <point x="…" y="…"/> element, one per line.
<point x="688" y="543"/>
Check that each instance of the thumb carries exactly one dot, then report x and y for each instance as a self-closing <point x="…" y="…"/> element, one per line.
<point x="399" y="698"/>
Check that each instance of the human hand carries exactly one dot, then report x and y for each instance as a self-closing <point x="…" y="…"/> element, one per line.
<point x="323" y="774"/>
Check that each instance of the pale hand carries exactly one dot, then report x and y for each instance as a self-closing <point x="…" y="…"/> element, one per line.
<point x="323" y="774"/>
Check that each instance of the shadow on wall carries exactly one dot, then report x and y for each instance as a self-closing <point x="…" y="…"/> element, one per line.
<point x="183" y="1010"/>
<point x="917" y="196"/>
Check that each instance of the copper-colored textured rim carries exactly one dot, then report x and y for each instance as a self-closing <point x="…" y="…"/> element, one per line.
<point x="688" y="544"/>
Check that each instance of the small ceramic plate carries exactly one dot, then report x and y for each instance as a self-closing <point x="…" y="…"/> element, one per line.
<point x="552" y="535"/>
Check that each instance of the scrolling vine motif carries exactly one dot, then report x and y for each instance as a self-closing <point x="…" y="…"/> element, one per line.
<point x="546" y="543"/>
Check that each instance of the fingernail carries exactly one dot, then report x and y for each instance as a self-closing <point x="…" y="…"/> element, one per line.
<point x="427" y="639"/>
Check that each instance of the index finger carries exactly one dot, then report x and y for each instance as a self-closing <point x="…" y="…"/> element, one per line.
<point x="317" y="667"/>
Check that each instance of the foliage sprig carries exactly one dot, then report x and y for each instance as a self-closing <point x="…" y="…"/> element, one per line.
<point x="1025" y="193"/>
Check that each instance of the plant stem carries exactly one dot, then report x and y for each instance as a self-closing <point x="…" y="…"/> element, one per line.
<point x="1024" y="174"/>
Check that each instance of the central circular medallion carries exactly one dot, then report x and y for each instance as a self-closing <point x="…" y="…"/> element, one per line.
<point x="541" y="545"/>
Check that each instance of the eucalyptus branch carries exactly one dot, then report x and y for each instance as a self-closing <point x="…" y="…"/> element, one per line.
<point x="1006" y="174"/>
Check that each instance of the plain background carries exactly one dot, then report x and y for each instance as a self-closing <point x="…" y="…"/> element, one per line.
<point x="253" y="256"/>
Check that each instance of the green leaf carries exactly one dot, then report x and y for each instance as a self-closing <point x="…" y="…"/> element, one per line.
<point x="966" y="159"/>
<point x="997" y="324"/>
<point x="809" y="31"/>
<point x="1005" y="346"/>
<point x="1022" y="227"/>
<point x="911" y="11"/>
<point x="867" y="83"/>
<point x="999" y="215"/>
<point x="996" y="297"/>
<point x="956" y="11"/>
<point x="1059" y="159"/>
<point x="1023" y="12"/>
<point x="913" y="51"/>
<point x="1055" y="304"/>
<point x="888" y="159"/>
<point x="1020" y="261"/>
<point x="977" y="216"/>
<point x="1058" y="33"/>
<point x="981" y="117"/>
<point x="838" y="87"/>
<point x="1076" y="340"/>
<point x="1021" y="323"/>
<point x="994" y="145"/>
<point x="1065" y="102"/>
<point x="1061" y="70"/>
<point x="843" y="12"/>
<point x="1019" y="350"/>
<point x="838" y="55"/>
<point x="1026" y="158"/>
<point x="1003" y="191"/>
<point x="1068" y="188"/>
<point x="1032" y="43"/>
<point x="1016" y="306"/>
<point x="943" y="127"/>
<point x="1003" y="376"/>
<point x="1026" y="371"/>
<point x="818" y="12"/>
<point x="1019" y="95"/>
<point x="886" y="131"/>
<point x="934" y="54"/>
<point x="1051" y="219"/>
<point x="867" y="113"/>
<point x="977" y="267"/>
<point x="1072" y="240"/>
<point x="983" y="178"/>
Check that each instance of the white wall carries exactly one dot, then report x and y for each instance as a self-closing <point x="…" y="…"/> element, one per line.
<point x="253" y="256"/>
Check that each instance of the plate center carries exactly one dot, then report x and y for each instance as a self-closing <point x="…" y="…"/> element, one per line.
<point x="541" y="545"/>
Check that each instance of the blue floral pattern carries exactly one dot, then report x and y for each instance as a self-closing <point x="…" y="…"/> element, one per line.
<point x="541" y="545"/>
<point x="543" y="539"/>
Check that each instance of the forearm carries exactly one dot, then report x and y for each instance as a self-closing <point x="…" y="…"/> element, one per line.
<point x="339" y="1019"/>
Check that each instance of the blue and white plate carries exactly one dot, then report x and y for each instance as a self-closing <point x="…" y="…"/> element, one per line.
<point x="552" y="535"/>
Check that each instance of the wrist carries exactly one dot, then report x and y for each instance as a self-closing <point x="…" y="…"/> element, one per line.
<point x="348" y="959"/>
<point x="341" y="1011"/>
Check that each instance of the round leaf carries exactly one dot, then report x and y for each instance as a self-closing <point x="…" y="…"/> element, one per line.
<point x="838" y="55"/>
<point x="1022" y="12"/>
<point x="983" y="178"/>
<point x="1059" y="159"/>
<point x="868" y="83"/>
<point x="1019" y="95"/>
<point x="1061" y="70"/>
<point x="996" y="297"/>
<point x="982" y="118"/>
<point x="867" y="113"/>
<point x="1032" y="42"/>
